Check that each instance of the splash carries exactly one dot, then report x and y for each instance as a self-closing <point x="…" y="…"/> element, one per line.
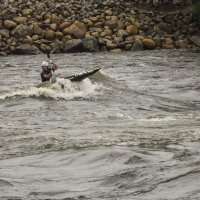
<point x="62" y="89"/>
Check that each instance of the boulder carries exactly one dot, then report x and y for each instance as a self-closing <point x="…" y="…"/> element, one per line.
<point x="108" y="32"/>
<point x="36" y="29"/>
<point x="4" y="33"/>
<point x="28" y="40"/>
<point x="122" y="33"/>
<point x="149" y="43"/>
<point x="73" y="46"/>
<point x="59" y="35"/>
<point x="167" y="28"/>
<point x="181" y="44"/>
<point x="45" y="48"/>
<point x="27" y="12"/>
<point x="50" y="35"/>
<point x="111" y="46"/>
<point x="55" y="19"/>
<point x="195" y="40"/>
<point x="40" y="7"/>
<point x="56" y="46"/>
<point x="114" y="18"/>
<point x="9" y="24"/>
<point x="137" y="45"/>
<point x="169" y="41"/>
<point x="21" y="31"/>
<point x="77" y="30"/>
<point x="116" y="50"/>
<point x="64" y="25"/>
<point x="3" y="53"/>
<point x="168" y="46"/>
<point x="94" y="19"/>
<point x="26" y="49"/>
<point x="90" y="44"/>
<point x="132" y="30"/>
<point x="21" y="20"/>
<point x="53" y="27"/>
<point x="111" y="24"/>
<point x="109" y="12"/>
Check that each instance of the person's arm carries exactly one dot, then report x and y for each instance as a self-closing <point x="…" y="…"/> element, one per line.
<point x="54" y="67"/>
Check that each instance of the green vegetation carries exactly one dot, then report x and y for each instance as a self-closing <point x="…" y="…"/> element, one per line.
<point x="196" y="11"/>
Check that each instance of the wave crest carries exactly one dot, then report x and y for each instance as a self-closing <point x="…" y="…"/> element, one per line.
<point x="62" y="89"/>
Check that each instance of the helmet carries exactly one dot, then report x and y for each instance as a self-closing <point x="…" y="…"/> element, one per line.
<point x="45" y="64"/>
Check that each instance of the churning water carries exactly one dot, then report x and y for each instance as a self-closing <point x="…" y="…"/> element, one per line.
<point x="129" y="132"/>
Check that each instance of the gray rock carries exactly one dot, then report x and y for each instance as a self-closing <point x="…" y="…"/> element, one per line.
<point x="26" y="49"/>
<point x="21" y="31"/>
<point x="4" y="33"/>
<point x="90" y="44"/>
<point x="73" y="46"/>
<point x="137" y="46"/>
<point x="196" y="40"/>
<point x="167" y="28"/>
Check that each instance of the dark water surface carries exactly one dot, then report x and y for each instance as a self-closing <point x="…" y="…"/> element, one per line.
<point x="130" y="132"/>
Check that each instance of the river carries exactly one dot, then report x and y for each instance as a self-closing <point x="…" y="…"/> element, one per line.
<point x="129" y="132"/>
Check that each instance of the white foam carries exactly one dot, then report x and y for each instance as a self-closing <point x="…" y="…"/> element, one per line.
<point x="158" y="119"/>
<point x="62" y="89"/>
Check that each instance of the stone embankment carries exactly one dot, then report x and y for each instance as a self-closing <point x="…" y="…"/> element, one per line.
<point x="34" y="26"/>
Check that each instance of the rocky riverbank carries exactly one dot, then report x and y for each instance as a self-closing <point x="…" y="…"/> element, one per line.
<point x="31" y="27"/>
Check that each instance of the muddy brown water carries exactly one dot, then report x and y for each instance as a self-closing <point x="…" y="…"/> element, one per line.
<point x="131" y="131"/>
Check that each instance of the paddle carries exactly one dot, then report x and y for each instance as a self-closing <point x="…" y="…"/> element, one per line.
<point x="48" y="55"/>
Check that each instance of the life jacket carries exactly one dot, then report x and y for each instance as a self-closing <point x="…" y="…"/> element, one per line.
<point x="43" y="73"/>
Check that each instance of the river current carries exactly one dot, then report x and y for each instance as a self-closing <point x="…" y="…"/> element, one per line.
<point x="129" y="132"/>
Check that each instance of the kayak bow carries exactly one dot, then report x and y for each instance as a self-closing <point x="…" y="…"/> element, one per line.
<point x="80" y="77"/>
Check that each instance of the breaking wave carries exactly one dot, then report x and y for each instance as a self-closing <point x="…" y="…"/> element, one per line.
<point x="62" y="89"/>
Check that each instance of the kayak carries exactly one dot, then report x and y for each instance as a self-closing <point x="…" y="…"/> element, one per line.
<point x="76" y="77"/>
<point x="80" y="77"/>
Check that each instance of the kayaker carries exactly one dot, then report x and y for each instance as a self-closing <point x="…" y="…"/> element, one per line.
<point x="47" y="70"/>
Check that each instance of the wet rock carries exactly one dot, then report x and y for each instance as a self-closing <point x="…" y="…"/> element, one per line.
<point x="64" y="25"/>
<point x="73" y="46"/>
<point x="36" y="29"/>
<point x="122" y="33"/>
<point x="111" y="24"/>
<point x="181" y="44"/>
<point x="50" y="35"/>
<point x="21" y="31"/>
<point x="77" y="30"/>
<point x="56" y="46"/>
<point x="26" y="49"/>
<point x="111" y="46"/>
<point x="21" y="20"/>
<point x="137" y="45"/>
<point x="45" y="48"/>
<point x="109" y="12"/>
<point x="196" y="40"/>
<point x="167" y="28"/>
<point x="53" y="27"/>
<point x="132" y="30"/>
<point x="55" y="19"/>
<point x="9" y="24"/>
<point x="3" y="54"/>
<point x="116" y="50"/>
<point x="4" y="33"/>
<point x="90" y="44"/>
<point x="168" y="46"/>
<point x="149" y="43"/>
<point x="27" y="12"/>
